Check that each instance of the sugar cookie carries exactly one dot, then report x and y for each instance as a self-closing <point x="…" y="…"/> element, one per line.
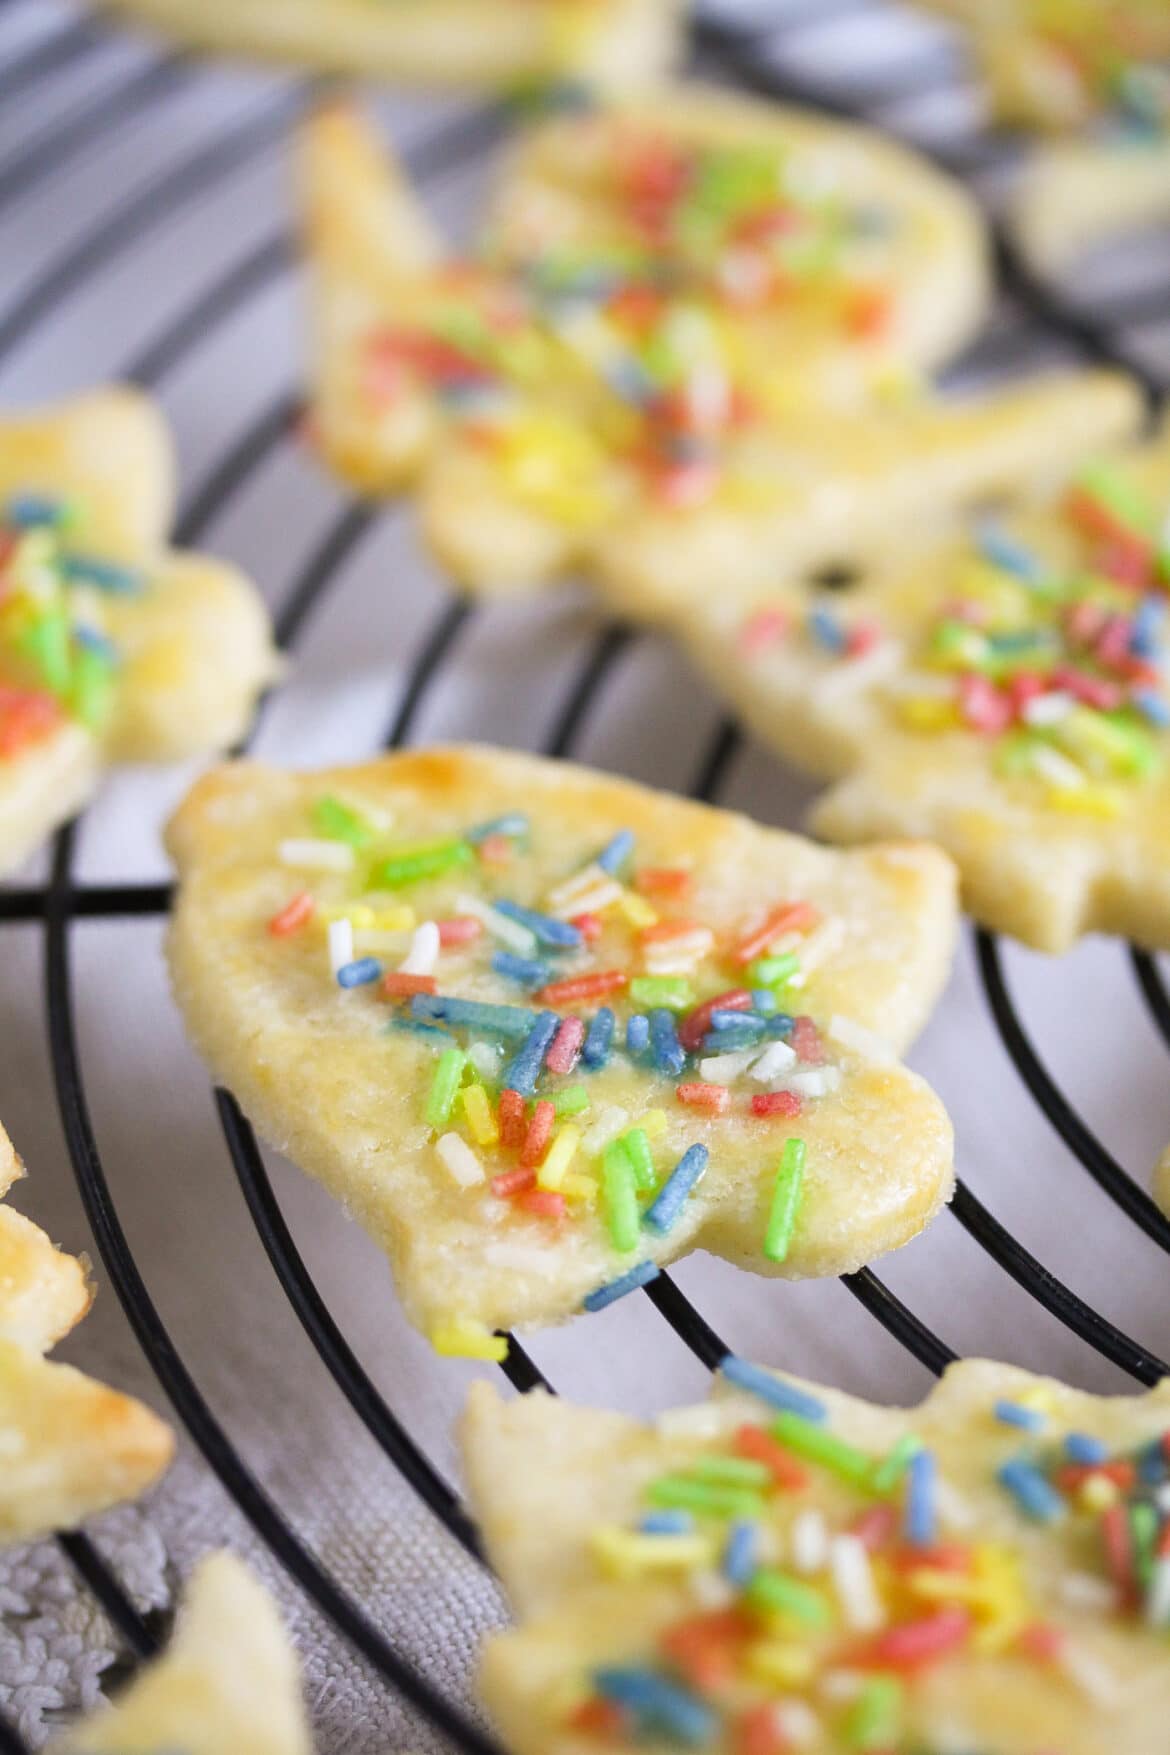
<point x="541" y="1029"/>
<point x="1002" y="691"/>
<point x="111" y="646"/>
<point x="788" y="1567"/>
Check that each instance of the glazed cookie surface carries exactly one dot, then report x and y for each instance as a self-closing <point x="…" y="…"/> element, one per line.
<point x="434" y="42"/>
<point x="112" y="647"/>
<point x="71" y="1446"/>
<point x="540" y="1029"/>
<point x="1002" y="691"/>
<point x="788" y="1567"/>
<point x="228" y="1682"/>
<point x="671" y="307"/>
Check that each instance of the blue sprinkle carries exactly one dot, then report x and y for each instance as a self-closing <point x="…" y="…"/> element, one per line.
<point x="919" y="1524"/>
<point x="1143" y="639"/>
<point x="764" y="1001"/>
<point x="615" y="853"/>
<point x="511" y="1021"/>
<point x="1079" y="1447"/>
<point x="595" y="1050"/>
<point x="1003" y="551"/>
<point x="559" y="934"/>
<point x="659" y="1703"/>
<point x="661" y="1216"/>
<point x="669" y="1054"/>
<point x="359" y="973"/>
<point x="94" y="641"/>
<point x="27" y="511"/>
<point x="826" y="630"/>
<point x="1151" y="704"/>
<point x="88" y="570"/>
<point x="523" y="1070"/>
<point x="772" y="1390"/>
<point x="729" y="1040"/>
<point x="1015" y="1414"/>
<point x="781" y="1025"/>
<point x="528" y="971"/>
<point x="414" y="1028"/>
<point x="739" y="1556"/>
<point x="628" y="381"/>
<point x="637" y="1033"/>
<point x="737" y="1021"/>
<point x="513" y="825"/>
<point x="615" y="1289"/>
<point x="667" y="1523"/>
<point x="1036" y="1497"/>
<point x="1152" y="1464"/>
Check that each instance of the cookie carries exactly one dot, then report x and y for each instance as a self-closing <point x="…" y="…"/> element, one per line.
<point x="71" y="1447"/>
<point x="112" y="647"/>
<point x="788" y="1567"/>
<point x="540" y="1029"/>
<point x="228" y="1681"/>
<point x="434" y="42"/>
<point x="1075" y="195"/>
<point x="1002" y="691"/>
<point x="672" y="307"/>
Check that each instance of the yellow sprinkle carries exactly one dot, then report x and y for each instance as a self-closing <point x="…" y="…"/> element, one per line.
<point x="1085" y="801"/>
<point x="652" y="1123"/>
<point x="625" y="1554"/>
<point x="356" y="913"/>
<point x="636" y="909"/>
<point x="578" y="1187"/>
<point x="927" y="713"/>
<point x="1098" y="1493"/>
<point x="480" y="1118"/>
<point x="787" y="1666"/>
<point x="397" y="918"/>
<point x="464" y="1338"/>
<point x="560" y="1155"/>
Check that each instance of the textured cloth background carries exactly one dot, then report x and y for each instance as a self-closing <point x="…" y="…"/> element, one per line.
<point x="82" y="147"/>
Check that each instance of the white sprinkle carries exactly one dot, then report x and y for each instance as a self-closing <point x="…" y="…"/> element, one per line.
<point x="340" y="944"/>
<point x="423" y="954"/>
<point x="743" y="274"/>
<point x="1083" y="1590"/>
<point x="841" y="1685"/>
<point x="1094" y="1679"/>
<point x="678" y="956"/>
<point x="612" y="1121"/>
<point x="586" y="892"/>
<point x="706" y="1420"/>
<point x="956" y="1512"/>
<point x="813" y="1081"/>
<point x="712" y="1591"/>
<point x="485" y="1058"/>
<point x="850" y="675"/>
<point x="819" y="944"/>
<point x="810" y="1541"/>
<point x="518" y="938"/>
<point x="867" y="1043"/>
<point x="1048" y="709"/>
<point x="724" y="1069"/>
<point x="854" y="1585"/>
<point x="776" y="1059"/>
<point x="708" y="393"/>
<point x="1162" y="1497"/>
<point x="316" y="855"/>
<point x="797" y="1722"/>
<point x="521" y="1258"/>
<point x="1057" y="769"/>
<point x="459" y="1159"/>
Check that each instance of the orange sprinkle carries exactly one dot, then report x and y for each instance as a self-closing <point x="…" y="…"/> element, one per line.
<point x="668" y="929"/>
<point x="513" y="1182"/>
<point x="789" y="917"/>
<point x="544" y="1202"/>
<point x="758" y="1733"/>
<point x="539" y="1133"/>
<point x="759" y="1446"/>
<point x="662" y="880"/>
<point x="599" y="1718"/>
<point x="495" y="850"/>
<point x="705" y="1647"/>
<point x="293" y="915"/>
<point x="398" y="986"/>
<point x="697" y="1095"/>
<point x="512" y="1124"/>
<point x="27" y="716"/>
<point x="583" y="987"/>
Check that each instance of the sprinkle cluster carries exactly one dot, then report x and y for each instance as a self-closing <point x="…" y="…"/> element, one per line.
<point x="1114" y="51"/>
<point x="630" y="358"/>
<point x="607" y="965"/>
<point x="57" y="661"/>
<point x="814" y="1627"/>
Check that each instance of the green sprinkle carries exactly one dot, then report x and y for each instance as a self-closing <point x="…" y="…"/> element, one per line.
<point x="571" y="1101"/>
<point x="786" y="1198"/>
<point x="672" y="991"/>
<point x="782" y="1594"/>
<point x="1116" y="491"/>
<point x="48" y="642"/>
<point x="447" y="1079"/>
<point x="424" y="862"/>
<point x="1143" y="1524"/>
<point x="621" y="1200"/>
<point x="817" y="1445"/>
<point x="890" y="1470"/>
<point x="771" y="971"/>
<point x="338" y="822"/>
<point x="91" y="692"/>
<point x="638" y="1151"/>
<point x="680" y="1493"/>
<point x="874" y="1719"/>
<point x="732" y="1471"/>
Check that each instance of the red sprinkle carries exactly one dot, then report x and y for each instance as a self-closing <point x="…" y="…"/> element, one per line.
<point x="566" y="1046"/>
<point x="697" y="1095"/>
<point x="915" y="1644"/>
<point x="762" y="629"/>
<point x="984" y="707"/>
<point x="873" y="1528"/>
<point x="599" y="1718"/>
<point x="806" y="1040"/>
<point x="706" y="1647"/>
<point x="590" y="926"/>
<point x="495" y="850"/>
<point x="759" y="1446"/>
<point x="512" y="1120"/>
<point x="696" y="1024"/>
<point x="776" y="1103"/>
<point x="543" y="1202"/>
<point x="26" y="716"/>
<point x="513" y="1182"/>
<point x="461" y="929"/>
<point x="1070" y="1476"/>
<point x="399" y="986"/>
<point x="662" y="880"/>
<point x="668" y="929"/>
<point x="789" y="917"/>
<point x="538" y="1135"/>
<point x="943" y="1557"/>
<point x="863" y="637"/>
<point x="1041" y="1641"/>
<point x="292" y="916"/>
<point x="758" y="1733"/>
<point x="1115" y="1535"/>
<point x="584" y="987"/>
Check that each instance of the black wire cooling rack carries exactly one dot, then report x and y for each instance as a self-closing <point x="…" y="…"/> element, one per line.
<point x="749" y="42"/>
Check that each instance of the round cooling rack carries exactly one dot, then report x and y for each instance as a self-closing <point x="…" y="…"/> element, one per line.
<point x="145" y="235"/>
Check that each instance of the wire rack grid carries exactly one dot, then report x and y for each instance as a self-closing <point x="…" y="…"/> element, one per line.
<point x="846" y="56"/>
